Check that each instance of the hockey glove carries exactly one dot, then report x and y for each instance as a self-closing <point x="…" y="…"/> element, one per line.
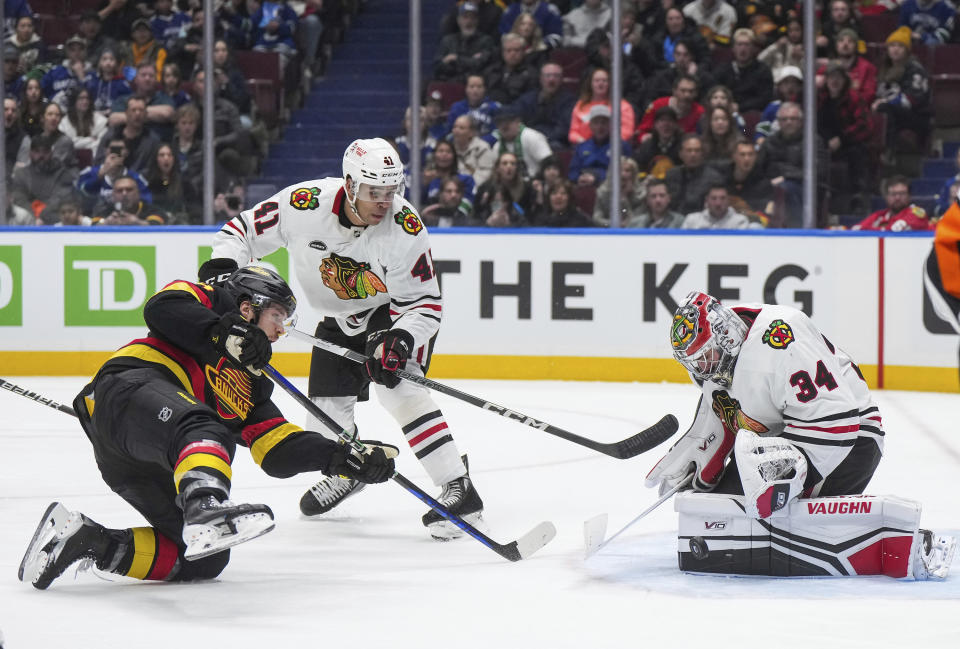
<point x="216" y="271"/>
<point x="703" y="450"/>
<point x="375" y="465"/>
<point x="242" y="342"/>
<point x="772" y="472"/>
<point x="390" y="355"/>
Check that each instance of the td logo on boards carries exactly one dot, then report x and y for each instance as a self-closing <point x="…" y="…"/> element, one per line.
<point x="11" y="286"/>
<point x="107" y="286"/>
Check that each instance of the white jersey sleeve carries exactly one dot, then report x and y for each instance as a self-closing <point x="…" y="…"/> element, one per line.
<point x="254" y="233"/>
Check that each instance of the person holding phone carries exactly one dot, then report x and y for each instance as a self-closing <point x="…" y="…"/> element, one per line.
<point x="126" y="207"/>
<point x="96" y="182"/>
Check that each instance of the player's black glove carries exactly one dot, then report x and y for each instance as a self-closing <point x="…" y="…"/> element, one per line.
<point x="390" y="355"/>
<point x="216" y="271"/>
<point x="376" y="465"/>
<point x="243" y="342"/>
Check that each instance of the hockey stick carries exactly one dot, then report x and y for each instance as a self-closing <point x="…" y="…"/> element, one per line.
<point x="33" y="396"/>
<point x="596" y="527"/>
<point x="634" y="445"/>
<point x="522" y="548"/>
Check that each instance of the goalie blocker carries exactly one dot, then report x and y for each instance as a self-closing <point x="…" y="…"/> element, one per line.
<point x="816" y="537"/>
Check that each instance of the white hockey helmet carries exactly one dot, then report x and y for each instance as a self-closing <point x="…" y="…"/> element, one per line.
<point x="706" y="338"/>
<point x="373" y="170"/>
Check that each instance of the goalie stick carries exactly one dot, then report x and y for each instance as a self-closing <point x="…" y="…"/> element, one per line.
<point x="522" y="548"/>
<point x="634" y="445"/>
<point x="33" y="396"/>
<point x="596" y="527"/>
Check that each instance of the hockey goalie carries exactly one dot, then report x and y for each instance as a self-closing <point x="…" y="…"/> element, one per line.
<point x="784" y="441"/>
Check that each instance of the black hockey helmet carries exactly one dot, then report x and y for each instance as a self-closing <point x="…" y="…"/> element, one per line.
<point x="261" y="287"/>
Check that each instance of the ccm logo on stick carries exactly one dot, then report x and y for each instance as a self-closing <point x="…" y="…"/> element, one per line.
<point x="529" y="421"/>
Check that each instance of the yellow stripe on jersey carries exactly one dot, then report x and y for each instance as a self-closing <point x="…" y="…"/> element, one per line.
<point x="262" y="445"/>
<point x="195" y="460"/>
<point x="182" y="286"/>
<point x="144" y="551"/>
<point x="151" y="355"/>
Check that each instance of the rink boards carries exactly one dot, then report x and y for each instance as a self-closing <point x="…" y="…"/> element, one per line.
<point x="530" y="304"/>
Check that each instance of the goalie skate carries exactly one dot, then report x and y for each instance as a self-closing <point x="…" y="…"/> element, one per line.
<point x="934" y="554"/>
<point x="211" y="527"/>
<point x="61" y="539"/>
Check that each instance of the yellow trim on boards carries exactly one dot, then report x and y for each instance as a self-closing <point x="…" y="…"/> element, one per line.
<point x="520" y="368"/>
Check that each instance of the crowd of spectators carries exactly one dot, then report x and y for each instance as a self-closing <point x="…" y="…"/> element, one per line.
<point x="106" y="126"/>
<point x="711" y="116"/>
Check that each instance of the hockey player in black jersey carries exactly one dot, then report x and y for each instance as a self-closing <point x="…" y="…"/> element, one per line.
<point x="164" y="415"/>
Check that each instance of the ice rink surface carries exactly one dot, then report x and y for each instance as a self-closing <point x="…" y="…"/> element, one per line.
<point x="369" y="576"/>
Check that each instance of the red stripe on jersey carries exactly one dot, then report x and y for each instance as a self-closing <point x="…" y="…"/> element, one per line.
<point x="420" y="355"/>
<point x="204" y="447"/>
<point x="433" y="307"/>
<point x="230" y="224"/>
<point x="338" y="202"/>
<point x="427" y="433"/>
<point x="254" y="431"/>
<point x="876" y="419"/>
<point x="835" y="430"/>
<point x="167" y="555"/>
<point x="182" y="358"/>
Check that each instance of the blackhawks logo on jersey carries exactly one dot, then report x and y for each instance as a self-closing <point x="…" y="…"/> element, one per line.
<point x="778" y="335"/>
<point x="727" y="410"/>
<point x="350" y="279"/>
<point x="305" y="198"/>
<point x="409" y="221"/>
<point x="233" y="389"/>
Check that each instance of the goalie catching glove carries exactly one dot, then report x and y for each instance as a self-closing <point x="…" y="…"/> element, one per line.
<point x="374" y="465"/>
<point x="242" y="342"/>
<point x="389" y="355"/>
<point x="772" y="472"/>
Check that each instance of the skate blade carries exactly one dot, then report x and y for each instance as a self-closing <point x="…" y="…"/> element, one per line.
<point x="56" y="523"/>
<point x="446" y="531"/>
<point x="203" y="540"/>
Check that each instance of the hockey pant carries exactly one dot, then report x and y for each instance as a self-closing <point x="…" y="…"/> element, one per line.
<point x="151" y="441"/>
<point x="336" y="384"/>
<point x="839" y="536"/>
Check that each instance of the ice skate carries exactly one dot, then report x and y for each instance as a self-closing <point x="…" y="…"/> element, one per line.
<point x="210" y="526"/>
<point x="459" y="497"/>
<point x="327" y="494"/>
<point x="934" y="553"/>
<point x="62" y="539"/>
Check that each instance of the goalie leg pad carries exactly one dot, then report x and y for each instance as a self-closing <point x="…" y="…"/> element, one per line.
<point x="837" y="536"/>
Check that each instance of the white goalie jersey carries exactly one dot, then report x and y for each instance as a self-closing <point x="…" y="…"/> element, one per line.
<point x="792" y="382"/>
<point x="345" y="271"/>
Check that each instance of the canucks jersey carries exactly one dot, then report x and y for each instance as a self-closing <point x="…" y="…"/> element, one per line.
<point x="345" y="271"/>
<point x="791" y="381"/>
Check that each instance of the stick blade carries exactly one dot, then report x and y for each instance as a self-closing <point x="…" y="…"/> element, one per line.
<point x="533" y="540"/>
<point x="594" y="530"/>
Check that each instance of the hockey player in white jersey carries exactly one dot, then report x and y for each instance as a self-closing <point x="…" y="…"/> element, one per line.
<point x="794" y="416"/>
<point x="362" y="256"/>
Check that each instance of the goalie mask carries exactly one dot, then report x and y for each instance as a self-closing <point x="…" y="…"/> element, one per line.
<point x="263" y="288"/>
<point x="706" y="338"/>
<point x="372" y="171"/>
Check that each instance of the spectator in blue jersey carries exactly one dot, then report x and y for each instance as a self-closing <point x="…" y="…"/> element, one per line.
<point x="930" y="21"/>
<point x="168" y="25"/>
<point x="402" y="144"/>
<point x="160" y="108"/>
<point x="172" y="85"/>
<point x="476" y="104"/>
<point x="903" y="92"/>
<point x="83" y="125"/>
<point x="107" y="84"/>
<point x="788" y="82"/>
<point x="96" y="182"/>
<point x="549" y="107"/>
<point x="33" y="51"/>
<point x="592" y="157"/>
<point x="442" y="165"/>
<point x="61" y="82"/>
<point x="274" y="24"/>
<point x="546" y="15"/>
<point x="12" y="79"/>
<point x="233" y="21"/>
